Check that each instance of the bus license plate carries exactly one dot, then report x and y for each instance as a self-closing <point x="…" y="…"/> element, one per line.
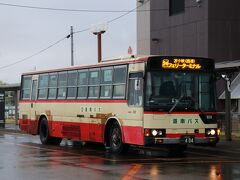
<point x="187" y="139"/>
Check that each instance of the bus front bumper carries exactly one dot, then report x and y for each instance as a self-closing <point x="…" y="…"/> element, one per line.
<point x="183" y="140"/>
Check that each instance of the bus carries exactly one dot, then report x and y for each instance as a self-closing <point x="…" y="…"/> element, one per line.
<point x="143" y="101"/>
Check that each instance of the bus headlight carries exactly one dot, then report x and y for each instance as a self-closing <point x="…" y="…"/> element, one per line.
<point x="154" y="132"/>
<point x="211" y="132"/>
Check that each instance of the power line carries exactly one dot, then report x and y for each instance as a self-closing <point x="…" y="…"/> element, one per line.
<point x="60" y="40"/>
<point x="35" y="54"/>
<point x="85" y="10"/>
<point x="116" y="18"/>
<point x="64" y="9"/>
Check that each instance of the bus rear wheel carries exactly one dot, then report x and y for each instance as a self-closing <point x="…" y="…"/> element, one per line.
<point x="116" y="144"/>
<point x="44" y="134"/>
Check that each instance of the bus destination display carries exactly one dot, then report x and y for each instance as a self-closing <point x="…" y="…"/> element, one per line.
<point x="179" y="63"/>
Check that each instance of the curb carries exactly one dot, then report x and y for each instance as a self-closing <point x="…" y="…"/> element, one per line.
<point x="11" y="128"/>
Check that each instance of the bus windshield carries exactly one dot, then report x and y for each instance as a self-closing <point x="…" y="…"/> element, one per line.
<point x="179" y="91"/>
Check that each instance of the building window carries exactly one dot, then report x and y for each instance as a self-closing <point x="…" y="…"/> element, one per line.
<point x="176" y="6"/>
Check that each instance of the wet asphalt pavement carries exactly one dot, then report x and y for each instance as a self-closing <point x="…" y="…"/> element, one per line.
<point x="23" y="157"/>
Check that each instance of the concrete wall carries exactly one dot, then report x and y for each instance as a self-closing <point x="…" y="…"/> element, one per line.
<point x="224" y="29"/>
<point x="180" y="34"/>
<point x="143" y="29"/>
<point x="209" y="29"/>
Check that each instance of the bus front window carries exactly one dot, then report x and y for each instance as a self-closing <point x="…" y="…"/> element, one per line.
<point x="179" y="91"/>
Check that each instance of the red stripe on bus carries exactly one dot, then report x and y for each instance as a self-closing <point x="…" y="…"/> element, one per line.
<point x="84" y="131"/>
<point x="92" y="132"/>
<point x="73" y="101"/>
<point x="152" y="112"/>
<point x="133" y="135"/>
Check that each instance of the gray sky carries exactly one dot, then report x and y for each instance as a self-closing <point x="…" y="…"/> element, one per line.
<point x="26" y="31"/>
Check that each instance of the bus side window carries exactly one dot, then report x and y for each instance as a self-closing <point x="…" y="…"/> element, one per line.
<point x="43" y="86"/>
<point x="52" y="86"/>
<point x="106" y="83"/>
<point x="119" y="82"/>
<point x="26" y="87"/>
<point x="72" y="85"/>
<point x="135" y="91"/>
<point x="82" y="84"/>
<point x="34" y="90"/>
<point x="62" y="85"/>
<point x="93" y="86"/>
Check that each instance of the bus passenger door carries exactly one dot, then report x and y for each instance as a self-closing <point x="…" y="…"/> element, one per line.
<point x="33" y="120"/>
<point x="135" y="91"/>
<point x="133" y="126"/>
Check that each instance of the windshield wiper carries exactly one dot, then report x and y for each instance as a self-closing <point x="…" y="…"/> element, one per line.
<point x="175" y="104"/>
<point x="178" y="100"/>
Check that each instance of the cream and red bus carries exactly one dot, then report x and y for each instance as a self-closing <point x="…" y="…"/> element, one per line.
<point x="144" y="101"/>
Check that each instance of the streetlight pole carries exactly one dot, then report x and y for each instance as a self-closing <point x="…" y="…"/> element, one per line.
<point x="99" y="39"/>
<point x="228" y="116"/>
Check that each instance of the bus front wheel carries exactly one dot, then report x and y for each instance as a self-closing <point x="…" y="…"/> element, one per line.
<point x="116" y="144"/>
<point x="44" y="134"/>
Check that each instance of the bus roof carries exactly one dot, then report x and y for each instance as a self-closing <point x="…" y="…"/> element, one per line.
<point x="108" y="62"/>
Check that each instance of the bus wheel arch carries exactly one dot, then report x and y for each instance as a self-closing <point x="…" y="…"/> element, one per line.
<point x="108" y="125"/>
<point x="114" y="137"/>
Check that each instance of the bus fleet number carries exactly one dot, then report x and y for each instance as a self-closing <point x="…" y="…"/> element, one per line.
<point x="187" y="140"/>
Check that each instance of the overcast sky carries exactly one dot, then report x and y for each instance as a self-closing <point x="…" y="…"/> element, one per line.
<point x="25" y="31"/>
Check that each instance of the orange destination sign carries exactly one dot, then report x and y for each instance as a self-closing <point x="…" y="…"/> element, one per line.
<point x="179" y="63"/>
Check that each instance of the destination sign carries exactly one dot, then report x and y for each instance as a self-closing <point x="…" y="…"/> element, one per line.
<point x="180" y="63"/>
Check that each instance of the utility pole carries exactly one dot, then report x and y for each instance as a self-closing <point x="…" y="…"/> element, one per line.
<point x="72" y="57"/>
<point x="228" y="116"/>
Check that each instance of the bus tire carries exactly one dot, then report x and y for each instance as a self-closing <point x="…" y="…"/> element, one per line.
<point x="44" y="134"/>
<point x="44" y="131"/>
<point x="115" y="139"/>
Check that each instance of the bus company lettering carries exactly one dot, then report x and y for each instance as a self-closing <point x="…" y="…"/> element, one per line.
<point x="184" y="121"/>
<point x="180" y="64"/>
